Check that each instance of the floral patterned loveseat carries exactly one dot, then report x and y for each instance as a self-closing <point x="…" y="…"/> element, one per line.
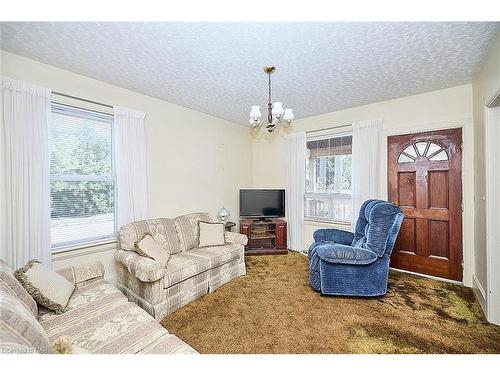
<point x="190" y="272"/>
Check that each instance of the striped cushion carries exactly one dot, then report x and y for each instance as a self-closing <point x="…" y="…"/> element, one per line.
<point x="20" y="332"/>
<point x="186" y="227"/>
<point x="10" y="284"/>
<point x="162" y="230"/>
<point x="183" y="266"/>
<point x="218" y="255"/>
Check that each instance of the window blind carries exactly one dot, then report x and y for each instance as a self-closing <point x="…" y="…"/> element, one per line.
<point x="82" y="184"/>
<point x="341" y="145"/>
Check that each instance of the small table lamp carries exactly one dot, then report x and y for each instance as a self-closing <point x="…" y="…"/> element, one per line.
<point x="224" y="214"/>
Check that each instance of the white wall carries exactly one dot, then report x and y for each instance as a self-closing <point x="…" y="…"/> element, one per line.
<point x="196" y="162"/>
<point x="485" y="85"/>
<point x="448" y="108"/>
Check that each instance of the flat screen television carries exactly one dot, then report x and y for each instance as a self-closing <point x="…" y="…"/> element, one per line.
<point x="262" y="203"/>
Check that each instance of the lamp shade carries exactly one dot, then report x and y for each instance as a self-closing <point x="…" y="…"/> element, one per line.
<point x="288" y="115"/>
<point x="255" y="112"/>
<point x="278" y="109"/>
<point x="224" y="213"/>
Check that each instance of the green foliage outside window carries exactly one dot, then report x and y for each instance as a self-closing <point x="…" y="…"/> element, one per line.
<point x="80" y="147"/>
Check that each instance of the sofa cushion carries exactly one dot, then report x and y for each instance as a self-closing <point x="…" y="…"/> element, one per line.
<point x="336" y="253"/>
<point x="148" y="247"/>
<point x="10" y="284"/>
<point x="219" y="255"/>
<point x="20" y="332"/>
<point x="162" y="230"/>
<point x="183" y="266"/>
<point x="210" y="234"/>
<point x="46" y="286"/>
<point x="101" y="320"/>
<point x="186" y="227"/>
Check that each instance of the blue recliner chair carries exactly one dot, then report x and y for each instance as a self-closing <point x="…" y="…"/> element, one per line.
<point x="356" y="264"/>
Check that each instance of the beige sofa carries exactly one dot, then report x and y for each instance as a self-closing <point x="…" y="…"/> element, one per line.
<point x="99" y="319"/>
<point x="190" y="272"/>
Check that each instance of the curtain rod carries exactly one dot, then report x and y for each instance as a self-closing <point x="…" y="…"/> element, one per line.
<point x="330" y="128"/>
<point x="83" y="100"/>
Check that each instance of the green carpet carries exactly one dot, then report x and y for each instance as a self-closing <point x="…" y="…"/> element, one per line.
<point x="274" y="310"/>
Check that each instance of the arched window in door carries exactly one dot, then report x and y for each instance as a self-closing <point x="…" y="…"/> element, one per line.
<point x="423" y="149"/>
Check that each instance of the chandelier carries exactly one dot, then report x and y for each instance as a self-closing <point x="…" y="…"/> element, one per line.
<point x="275" y="113"/>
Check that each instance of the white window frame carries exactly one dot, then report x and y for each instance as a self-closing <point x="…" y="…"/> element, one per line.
<point x="75" y="111"/>
<point x="331" y="197"/>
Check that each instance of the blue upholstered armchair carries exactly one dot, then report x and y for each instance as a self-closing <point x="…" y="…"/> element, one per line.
<point x="356" y="264"/>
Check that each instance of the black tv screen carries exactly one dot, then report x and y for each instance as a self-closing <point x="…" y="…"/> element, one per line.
<point x="262" y="203"/>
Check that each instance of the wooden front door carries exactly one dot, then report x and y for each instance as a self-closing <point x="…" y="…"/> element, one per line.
<point x="425" y="180"/>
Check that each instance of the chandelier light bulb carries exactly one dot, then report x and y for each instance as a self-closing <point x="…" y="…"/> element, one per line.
<point x="255" y="112"/>
<point x="288" y="115"/>
<point x="278" y="109"/>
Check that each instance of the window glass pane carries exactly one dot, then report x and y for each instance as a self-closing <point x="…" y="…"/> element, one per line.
<point x="421" y="146"/>
<point x="81" y="210"/>
<point x="318" y="208"/>
<point x="433" y="148"/>
<point x="334" y="207"/>
<point x="79" y="146"/>
<point x="410" y="150"/>
<point x="440" y="156"/>
<point x="328" y="178"/>
<point x="403" y="158"/>
<point x="82" y="183"/>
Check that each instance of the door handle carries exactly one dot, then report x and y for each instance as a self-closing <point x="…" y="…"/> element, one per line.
<point x="395" y="203"/>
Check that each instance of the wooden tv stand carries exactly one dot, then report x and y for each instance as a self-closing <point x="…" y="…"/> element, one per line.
<point x="265" y="237"/>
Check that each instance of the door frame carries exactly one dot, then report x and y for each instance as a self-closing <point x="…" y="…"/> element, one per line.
<point x="492" y="208"/>
<point x="466" y="124"/>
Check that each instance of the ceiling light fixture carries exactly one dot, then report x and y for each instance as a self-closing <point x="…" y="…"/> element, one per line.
<point x="275" y="113"/>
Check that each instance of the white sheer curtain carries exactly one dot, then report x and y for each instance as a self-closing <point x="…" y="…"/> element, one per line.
<point x="129" y="147"/>
<point x="25" y="204"/>
<point x="294" y="197"/>
<point x="365" y="163"/>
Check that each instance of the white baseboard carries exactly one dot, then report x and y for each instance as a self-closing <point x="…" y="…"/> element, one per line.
<point x="428" y="276"/>
<point x="480" y="294"/>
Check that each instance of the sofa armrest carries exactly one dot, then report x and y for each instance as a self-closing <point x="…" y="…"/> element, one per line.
<point x="145" y="269"/>
<point x="333" y="235"/>
<point x="342" y="254"/>
<point x="236" y="238"/>
<point x="84" y="274"/>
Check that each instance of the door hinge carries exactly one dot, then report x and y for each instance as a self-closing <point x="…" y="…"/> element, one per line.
<point x="462" y="264"/>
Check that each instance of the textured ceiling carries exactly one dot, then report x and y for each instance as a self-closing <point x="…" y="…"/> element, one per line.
<point x="216" y="68"/>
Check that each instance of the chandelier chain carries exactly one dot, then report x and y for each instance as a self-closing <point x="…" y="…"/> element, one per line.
<point x="269" y="74"/>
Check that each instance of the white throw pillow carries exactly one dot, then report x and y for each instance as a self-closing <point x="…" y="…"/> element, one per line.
<point x="47" y="287"/>
<point x="210" y="234"/>
<point x="148" y="247"/>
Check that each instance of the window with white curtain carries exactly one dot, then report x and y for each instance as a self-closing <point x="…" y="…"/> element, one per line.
<point x="82" y="182"/>
<point x="328" y="178"/>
